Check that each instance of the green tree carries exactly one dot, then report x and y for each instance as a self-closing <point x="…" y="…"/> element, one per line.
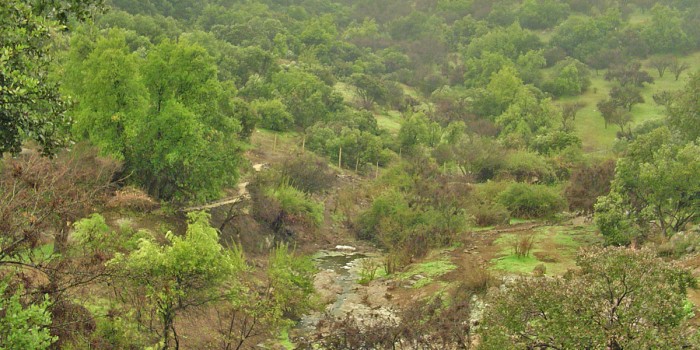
<point x="660" y="63"/>
<point x="580" y="37"/>
<point x="168" y="117"/>
<point x="178" y="157"/>
<point x="567" y="82"/>
<point x="620" y="299"/>
<point x="510" y="42"/>
<point x="479" y="70"/>
<point x="665" y="32"/>
<point x="273" y="115"/>
<point x="626" y="96"/>
<point x="23" y="326"/>
<point x="307" y="98"/>
<point x="684" y="110"/>
<point x="416" y="130"/>
<point x="110" y="93"/>
<point x="629" y="74"/>
<point x="525" y="117"/>
<point x="30" y="104"/>
<point x="189" y="272"/>
<point x="678" y="67"/>
<point x="655" y="183"/>
<point x="615" y="114"/>
<point x="369" y="88"/>
<point x="505" y="85"/>
<point x="541" y="14"/>
<point x="530" y="66"/>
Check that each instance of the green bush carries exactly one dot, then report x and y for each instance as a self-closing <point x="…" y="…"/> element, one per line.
<point x="273" y="115"/>
<point x="291" y="277"/>
<point x="293" y="201"/>
<point x="309" y="173"/>
<point x="407" y="229"/>
<point x="489" y="214"/>
<point x="531" y="201"/>
<point x="524" y="166"/>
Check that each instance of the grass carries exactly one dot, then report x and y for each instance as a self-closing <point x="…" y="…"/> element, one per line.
<point x="517" y="221"/>
<point x="346" y="90"/>
<point x="284" y="339"/>
<point x="590" y="126"/>
<point x="436" y="266"/>
<point x="554" y="246"/>
<point x="389" y="121"/>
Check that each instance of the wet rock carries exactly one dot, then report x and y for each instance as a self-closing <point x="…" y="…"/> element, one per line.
<point x="417" y="277"/>
<point x="326" y="286"/>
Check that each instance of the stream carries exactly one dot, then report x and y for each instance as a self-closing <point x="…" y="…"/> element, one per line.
<point x="337" y="285"/>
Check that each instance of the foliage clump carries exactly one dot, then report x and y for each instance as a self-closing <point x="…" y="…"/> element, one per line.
<point x="619" y="298"/>
<point x="531" y="201"/>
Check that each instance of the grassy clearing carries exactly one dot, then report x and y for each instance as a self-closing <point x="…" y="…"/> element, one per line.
<point x="554" y="246"/>
<point x="274" y="140"/>
<point x="389" y="121"/>
<point x="436" y="265"/>
<point x="346" y="90"/>
<point x="590" y="125"/>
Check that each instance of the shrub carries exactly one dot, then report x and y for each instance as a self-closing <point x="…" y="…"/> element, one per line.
<point x="368" y="270"/>
<point x="490" y="214"/>
<point x="291" y="278"/>
<point x="524" y="166"/>
<point x="531" y="201"/>
<point x="587" y="184"/>
<point x="132" y="198"/>
<point x="523" y="245"/>
<point x="539" y="270"/>
<point x="680" y="244"/>
<point x="477" y="279"/>
<point x="295" y="202"/>
<point x="273" y="115"/>
<point x="309" y="173"/>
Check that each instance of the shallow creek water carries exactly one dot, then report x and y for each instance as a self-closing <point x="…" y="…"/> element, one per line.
<point x="336" y="282"/>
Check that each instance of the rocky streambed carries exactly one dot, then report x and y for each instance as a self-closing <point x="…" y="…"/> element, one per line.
<point x="339" y="290"/>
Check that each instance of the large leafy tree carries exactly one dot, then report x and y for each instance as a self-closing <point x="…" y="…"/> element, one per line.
<point x="191" y="271"/>
<point x="665" y="32"/>
<point x="684" y="110"/>
<point x="619" y="299"/>
<point x="167" y="115"/>
<point x="655" y="182"/>
<point x="110" y="94"/>
<point x="30" y="105"/>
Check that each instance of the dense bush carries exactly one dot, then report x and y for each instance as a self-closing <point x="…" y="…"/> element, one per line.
<point x="273" y="115"/>
<point x="308" y="173"/>
<point x="489" y="214"/>
<point x="531" y="201"/>
<point x="587" y="184"/>
<point x="523" y="166"/>
<point x="571" y="79"/>
<point x="408" y="225"/>
<point x="297" y="203"/>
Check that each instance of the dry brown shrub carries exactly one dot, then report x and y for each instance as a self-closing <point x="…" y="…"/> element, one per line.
<point x="132" y="198"/>
<point x="477" y="279"/>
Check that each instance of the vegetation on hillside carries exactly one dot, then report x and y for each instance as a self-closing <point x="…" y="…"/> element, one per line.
<point x="518" y="139"/>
